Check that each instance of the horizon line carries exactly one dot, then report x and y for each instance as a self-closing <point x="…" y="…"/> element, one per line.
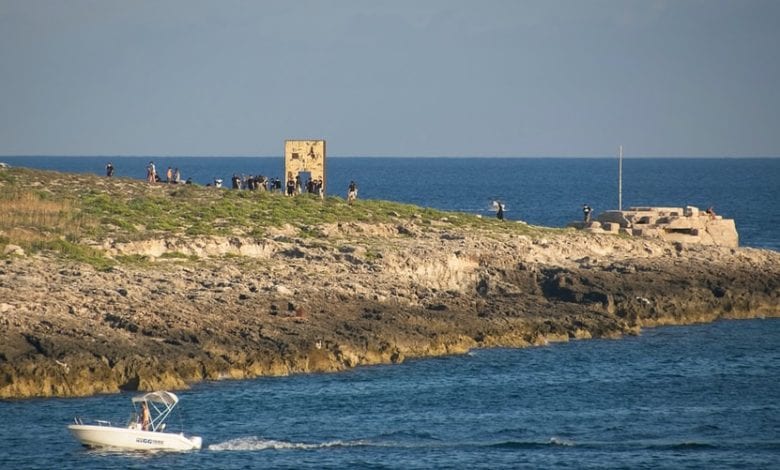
<point x="402" y="156"/>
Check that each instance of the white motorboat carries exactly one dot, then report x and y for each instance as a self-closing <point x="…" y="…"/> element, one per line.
<point x="145" y="431"/>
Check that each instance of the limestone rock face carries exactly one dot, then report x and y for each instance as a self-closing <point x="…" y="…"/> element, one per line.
<point x="354" y="294"/>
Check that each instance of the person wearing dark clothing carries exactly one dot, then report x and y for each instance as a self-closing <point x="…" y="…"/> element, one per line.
<point x="586" y="210"/>
<point x="110" y="170"/>
<point x="352" y="192"/>
<point x="500" y="212"/>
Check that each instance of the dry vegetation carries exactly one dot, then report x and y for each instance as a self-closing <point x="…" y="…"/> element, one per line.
<point x="29" y="219"/>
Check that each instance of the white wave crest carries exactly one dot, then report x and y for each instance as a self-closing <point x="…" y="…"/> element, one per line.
<point x="557" y="441"/>
<point x="258" y="443"/>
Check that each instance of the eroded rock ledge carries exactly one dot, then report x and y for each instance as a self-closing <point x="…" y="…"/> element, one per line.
<point x="352" y="294"/>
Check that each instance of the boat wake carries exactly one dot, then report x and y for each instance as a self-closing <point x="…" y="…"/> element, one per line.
<point x="258" y="443"/>
<point x="254" y="443"/>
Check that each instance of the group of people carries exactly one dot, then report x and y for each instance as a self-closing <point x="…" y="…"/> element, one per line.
<point x="255" y="182"/>
<point x="172" y="175"/>
<point x="264" y="183"/>
<point x="292" y="187"/>
<point x="315" y="187"/>
<point x="249" y="182"/>
<point x="312" y="186"/>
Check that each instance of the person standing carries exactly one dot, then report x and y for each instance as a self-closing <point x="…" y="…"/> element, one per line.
<point x="352" y="192"/>
<point x="151" y="172"/>
<point x="145" y="417"/>
<point x="500" y="211"/>
<point x="586" y="210"/>
<point x="109" y="170"/>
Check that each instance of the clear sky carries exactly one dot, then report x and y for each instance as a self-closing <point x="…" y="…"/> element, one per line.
<point x="390" y="77"/>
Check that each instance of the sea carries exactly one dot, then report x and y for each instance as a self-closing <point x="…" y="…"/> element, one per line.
<point x="699" y="396"/>
<point x="702" y="396"/>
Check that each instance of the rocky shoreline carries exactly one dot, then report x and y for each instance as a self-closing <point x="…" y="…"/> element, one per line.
<point x="347" y="294"/>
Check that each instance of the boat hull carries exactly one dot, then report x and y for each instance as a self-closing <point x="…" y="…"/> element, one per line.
<point x="133" y="439"/>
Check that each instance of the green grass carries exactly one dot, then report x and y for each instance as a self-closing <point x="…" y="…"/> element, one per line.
<point x="75" y="252"/>
<point x="125" y="210"/>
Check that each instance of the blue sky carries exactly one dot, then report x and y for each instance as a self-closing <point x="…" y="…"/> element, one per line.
<point x="391" y="78"/>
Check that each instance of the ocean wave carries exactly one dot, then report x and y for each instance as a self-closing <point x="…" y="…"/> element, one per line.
<point x="554" y="441"/>
<point x="408" y="435"/>
<point x="681" y="446"/>
<point x="253" y="443"/>
<point x="559" y="441"/>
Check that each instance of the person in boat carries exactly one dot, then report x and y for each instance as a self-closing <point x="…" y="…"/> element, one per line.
<point x="145" y="418"/>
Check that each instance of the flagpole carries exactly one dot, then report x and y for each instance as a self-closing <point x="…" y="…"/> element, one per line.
<point x="620" y="179"/>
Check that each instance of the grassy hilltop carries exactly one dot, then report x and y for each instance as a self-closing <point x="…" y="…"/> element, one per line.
<point x="65" y="214"/>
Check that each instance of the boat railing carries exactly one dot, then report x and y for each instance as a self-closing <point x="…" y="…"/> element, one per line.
<point x="98" y="422"/>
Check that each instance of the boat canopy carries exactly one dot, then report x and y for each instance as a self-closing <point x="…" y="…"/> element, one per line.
<point x="166" y="398"/>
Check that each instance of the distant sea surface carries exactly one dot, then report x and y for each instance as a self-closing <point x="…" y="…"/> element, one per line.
<point x="540" y="191"/>
<point x="702" y="397"/>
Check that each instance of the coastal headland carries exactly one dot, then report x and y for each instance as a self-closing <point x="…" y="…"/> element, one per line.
<point x="110" y="284"/>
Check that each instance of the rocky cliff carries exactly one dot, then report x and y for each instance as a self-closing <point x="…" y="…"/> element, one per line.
<point x="336" y="295"/>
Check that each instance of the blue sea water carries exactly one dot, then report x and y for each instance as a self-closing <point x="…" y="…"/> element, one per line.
<point x="701" y="396"/>
<point x="540" y="191"/>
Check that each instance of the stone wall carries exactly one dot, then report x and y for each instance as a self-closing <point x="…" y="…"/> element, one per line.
<point x="687" y="225"/>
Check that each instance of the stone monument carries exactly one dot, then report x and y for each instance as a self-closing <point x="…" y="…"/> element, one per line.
<point x="304" y="156"/>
